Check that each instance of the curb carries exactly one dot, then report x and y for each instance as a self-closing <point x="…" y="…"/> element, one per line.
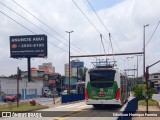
<point x="158" y="104"/>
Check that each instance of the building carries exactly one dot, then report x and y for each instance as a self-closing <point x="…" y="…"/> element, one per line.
<point x="47" y="68"/>
<point x="27" y="90"/>
<point x="74" y="69"/>
<point x="34" y="73"/>
<point x="66" y="70"/>
<point x="155" y="78"/>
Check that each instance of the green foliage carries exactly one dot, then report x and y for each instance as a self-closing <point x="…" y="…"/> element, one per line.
<point x="23" y="107"/>
<point x="82" y="73"/>
<point x="10" y="105"/>
<point x="150" y="102"/>
<point x="151" y="91"/>
<point x="140" y="91"/>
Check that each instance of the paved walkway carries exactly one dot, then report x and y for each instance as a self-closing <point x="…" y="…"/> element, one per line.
<point x="150" y="108"/>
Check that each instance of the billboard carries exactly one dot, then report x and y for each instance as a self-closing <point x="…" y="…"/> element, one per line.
<point x="28" y="46"/>
<point x="77" y="64"/>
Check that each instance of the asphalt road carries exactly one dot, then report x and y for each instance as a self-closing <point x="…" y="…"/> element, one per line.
<point x="73" y="111"/>
<point x="70" y="111"/>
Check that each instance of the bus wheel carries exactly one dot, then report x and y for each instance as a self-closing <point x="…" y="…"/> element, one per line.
<point x="119" y="106"/>
<point x="96" y="106"/>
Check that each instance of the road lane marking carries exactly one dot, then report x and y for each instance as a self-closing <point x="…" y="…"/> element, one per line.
<point x="72" y="106"/>
<point x="69" y="114"/>
<point x="64" y="106"/>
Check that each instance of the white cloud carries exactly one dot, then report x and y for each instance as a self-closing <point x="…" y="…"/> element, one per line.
<point x="125" y="21"/>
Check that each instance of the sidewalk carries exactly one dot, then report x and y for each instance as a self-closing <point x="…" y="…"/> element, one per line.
<point x="143" y="109"/>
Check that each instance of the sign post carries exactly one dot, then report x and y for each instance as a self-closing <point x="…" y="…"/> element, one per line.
<point x="18" y="78"/>
<point x="29" y="68"/>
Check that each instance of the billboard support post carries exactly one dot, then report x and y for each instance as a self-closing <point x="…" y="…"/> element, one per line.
<point x="29" y="68"/>
<point x="18" y="87"/>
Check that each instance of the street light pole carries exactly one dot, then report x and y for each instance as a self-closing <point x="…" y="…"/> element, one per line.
<point x="69" y="62"/>
<point x="144" y="49"/>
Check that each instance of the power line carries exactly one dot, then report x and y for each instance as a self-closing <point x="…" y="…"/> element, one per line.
<point x="103" y="24"/>
<point x="90" y="22"/>
<point x="47" y="25"/>
<point x="36" y="25"/>
<point x="29" y="29"/>
<point x="32" y="31"/>
<point x="17" y="22"/>
<point x="88" y="19"/>
<point x="152" y="33"/>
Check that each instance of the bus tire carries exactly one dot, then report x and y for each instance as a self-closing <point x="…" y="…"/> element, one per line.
<point x="96" y="106"/>
<point x="119" y="106"/>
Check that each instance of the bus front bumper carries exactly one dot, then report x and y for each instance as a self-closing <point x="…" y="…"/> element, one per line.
<point x="105" y="102"/>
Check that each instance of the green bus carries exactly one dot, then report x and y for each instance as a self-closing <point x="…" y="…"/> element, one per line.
<point x="106" y="86"/>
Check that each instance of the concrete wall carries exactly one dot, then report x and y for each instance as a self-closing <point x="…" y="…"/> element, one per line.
<point x="10" y="85"/>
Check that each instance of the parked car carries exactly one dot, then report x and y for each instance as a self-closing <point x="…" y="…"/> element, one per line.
<point x="10" y="98"/>
<point x="45" y="91"/>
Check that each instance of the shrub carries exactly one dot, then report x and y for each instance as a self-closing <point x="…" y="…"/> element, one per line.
<point x="151" y="91"/>
<point x="140" y="91"/>
<point x="150" y="102"/>
<point x="33" y="102"/>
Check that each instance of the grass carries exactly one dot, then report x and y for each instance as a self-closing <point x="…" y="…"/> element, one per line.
<point x="22" y="107"/>
<point x="150" y="102"/>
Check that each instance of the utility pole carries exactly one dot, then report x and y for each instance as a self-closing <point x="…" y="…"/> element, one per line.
<point x="137" y="70"/>
<point x="69" y="84"/>
<point x="144" y="49"/>
<point x="147" y="88"/>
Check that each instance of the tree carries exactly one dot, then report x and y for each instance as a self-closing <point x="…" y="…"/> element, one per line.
<point x="140" y="91"/>
<point x="82" y="73"/>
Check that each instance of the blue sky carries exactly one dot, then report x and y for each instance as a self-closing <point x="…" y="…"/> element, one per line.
<point x="101" y="4"/>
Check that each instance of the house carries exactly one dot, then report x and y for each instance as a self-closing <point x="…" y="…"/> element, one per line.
<point x="27" y="90"/>
<point x="155" y="78"/>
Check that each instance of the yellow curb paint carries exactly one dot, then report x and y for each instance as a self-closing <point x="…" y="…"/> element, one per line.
<point x="58" y="100"/>
<point x="68" y="115"/>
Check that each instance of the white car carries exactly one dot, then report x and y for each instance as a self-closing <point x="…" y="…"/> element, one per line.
<point x="64" y="92"/>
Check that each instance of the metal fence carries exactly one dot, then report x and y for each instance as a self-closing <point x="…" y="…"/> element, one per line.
<point x="72" y="98"/>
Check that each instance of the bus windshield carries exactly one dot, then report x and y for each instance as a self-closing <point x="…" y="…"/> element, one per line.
<point x="102" y="75"/>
